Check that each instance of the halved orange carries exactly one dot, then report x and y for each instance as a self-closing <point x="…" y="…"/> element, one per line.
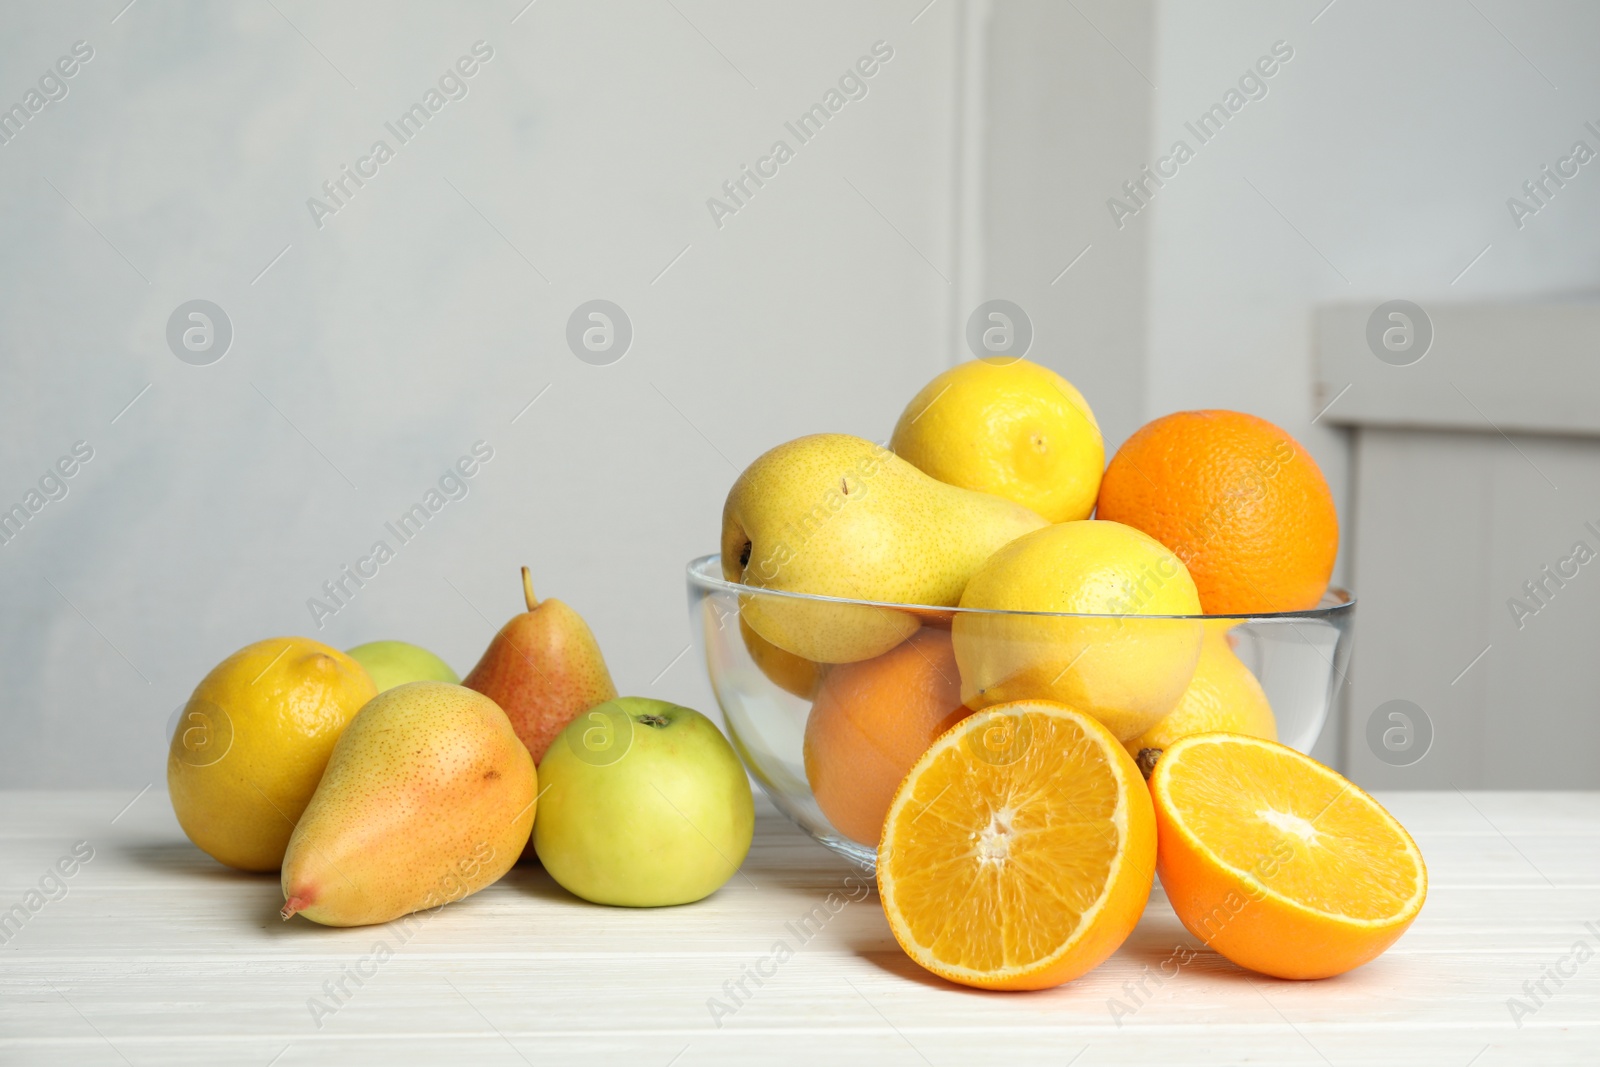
<point x="1020" y="850"/>
<point x="1277" y="862"/>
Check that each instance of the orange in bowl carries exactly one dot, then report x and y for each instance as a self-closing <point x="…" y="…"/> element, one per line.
<point x="1278" y="863"/>
<point x="1237" y="499"/>
<point x="789" y="672"/>
<point x="869" y="723"/>
<point x="1020" y="850"/>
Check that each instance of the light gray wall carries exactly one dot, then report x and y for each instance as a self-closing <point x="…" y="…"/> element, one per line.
<point x="416" y="322"/>
<point x="1377" y="166"/>
<point x="1477" y="523"/>
<point x="1067" y="112"/>
<point x="430" y="311"/>
<point x="426" y="314"/>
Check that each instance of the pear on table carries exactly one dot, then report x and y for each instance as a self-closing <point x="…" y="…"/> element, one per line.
<point x="544" y="668"/>
<point x="428" y="797"/>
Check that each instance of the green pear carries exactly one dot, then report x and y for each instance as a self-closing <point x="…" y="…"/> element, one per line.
<point x="393" y="663"/>
<point x="427" y="798"/>
<point x="839" y="516"/>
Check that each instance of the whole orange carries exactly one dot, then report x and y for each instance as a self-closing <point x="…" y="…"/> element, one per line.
<point x="872" y="720"/>
<point x="1237" y="499"/>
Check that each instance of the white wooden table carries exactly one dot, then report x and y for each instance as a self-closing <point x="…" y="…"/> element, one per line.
<point x="158" y="955"/>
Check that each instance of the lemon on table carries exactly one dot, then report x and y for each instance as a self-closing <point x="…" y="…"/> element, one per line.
<point x="252" y="742"/>
<point x="1009" y="427"/>
<point x="1125" y="670"/>
<point x="1222" y="695"/>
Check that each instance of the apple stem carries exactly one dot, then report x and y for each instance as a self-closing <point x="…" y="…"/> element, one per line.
<point x="527" y="589"/>
<point x="290" y="906"/>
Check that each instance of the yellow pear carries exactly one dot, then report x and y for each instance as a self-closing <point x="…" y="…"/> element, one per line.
<point x="1222" y="695"/>
<point x="250" y="746"/>
<point x="839" y="516"/>
<point x="428" y="798"/>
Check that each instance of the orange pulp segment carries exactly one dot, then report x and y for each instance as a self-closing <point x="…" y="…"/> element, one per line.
<point x="1277" y="862"/>
<point x="1019" y="851"/>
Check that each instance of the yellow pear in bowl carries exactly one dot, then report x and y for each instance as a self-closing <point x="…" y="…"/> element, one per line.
<point x="251" y="743"/>
<point x="839" y="516"/>
<point x="428" y="798"/>
<point x="1222" y="695"/>
<point x="1102" y="654"/>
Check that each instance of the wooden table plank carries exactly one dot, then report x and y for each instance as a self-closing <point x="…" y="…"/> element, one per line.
<point x="155" y="954"/>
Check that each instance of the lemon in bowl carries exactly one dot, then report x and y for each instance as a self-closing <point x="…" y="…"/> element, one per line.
<point x="1297" y="659"/>
<point x="1006" y="426"/>
<point x="1050" y="619"/>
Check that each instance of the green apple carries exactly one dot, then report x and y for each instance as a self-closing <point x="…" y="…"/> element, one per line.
<point x="642" y="804"/>
<point x="392" y="663"/>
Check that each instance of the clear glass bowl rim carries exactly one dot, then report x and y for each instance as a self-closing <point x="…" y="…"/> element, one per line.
<point x="705" y="573"/>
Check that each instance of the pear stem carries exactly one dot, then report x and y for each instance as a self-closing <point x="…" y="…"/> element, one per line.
<point x="290" y="906"/>
<point x="527" y="589"/>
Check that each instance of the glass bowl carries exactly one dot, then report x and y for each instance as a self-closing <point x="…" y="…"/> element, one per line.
<point x="904" y="673"/>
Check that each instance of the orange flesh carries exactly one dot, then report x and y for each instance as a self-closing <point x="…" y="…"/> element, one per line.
<point x="996" y="866"/>
<point x="1342" y="854"/>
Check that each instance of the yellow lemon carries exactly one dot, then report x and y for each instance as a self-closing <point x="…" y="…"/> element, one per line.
<point x="1222" y="695"/>
<point x="1009" y="427"/>
<point x="252" y="742"/>
<point x="1104" y="657"/>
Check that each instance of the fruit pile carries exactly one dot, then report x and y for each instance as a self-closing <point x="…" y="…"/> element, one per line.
<point x="997" y="755"/>
<point x="377" y="786"/>
<point x="1026" y="710"/>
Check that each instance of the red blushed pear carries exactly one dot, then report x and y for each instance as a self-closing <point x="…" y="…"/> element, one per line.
<point x="544" y="669"/>
<point x="428" y="797"/>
